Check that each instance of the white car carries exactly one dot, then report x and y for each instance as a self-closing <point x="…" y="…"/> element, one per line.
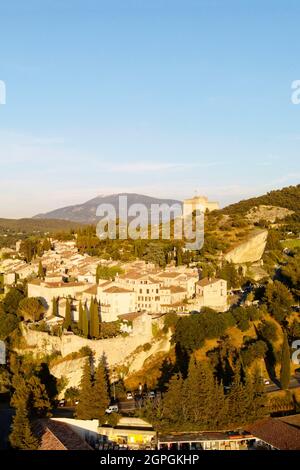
<point x="112" y="409"/>
<point x="129" y="396"/>
<point x="266" y="381"/>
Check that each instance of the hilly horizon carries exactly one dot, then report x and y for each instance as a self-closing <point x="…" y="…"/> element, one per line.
<point x="86" y="212"/>
<point x="287" y="197"/>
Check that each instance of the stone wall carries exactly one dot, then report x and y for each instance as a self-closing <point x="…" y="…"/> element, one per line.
<point x="114" y="349"/>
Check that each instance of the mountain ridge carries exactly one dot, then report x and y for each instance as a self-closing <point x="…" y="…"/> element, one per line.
<point x="86" y="212"/>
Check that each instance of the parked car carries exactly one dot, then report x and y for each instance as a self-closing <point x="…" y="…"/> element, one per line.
<point x="129" y="396"/>
<point x="151" y="394"/>
<point x="112" y="409"/>
<point x="61" y="403"/>
<point x="266" y="381"/>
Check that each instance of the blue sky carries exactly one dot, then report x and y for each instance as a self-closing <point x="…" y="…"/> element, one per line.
<point x="161" y="97"/>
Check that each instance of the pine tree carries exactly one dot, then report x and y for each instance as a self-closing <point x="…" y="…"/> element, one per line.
<point x="21" y="436"/>
<point x="200" y="406"/>
<point x="68" y="319"/>
<point x="172" y="408"/>
<point x="38" y="399"/>
<point x="259" y="396"/>
<point x="285" y="371"/>
<point x="100" y="392"/>
<point x="54" y="307"/>
<point x="86" y="397"/>
<point x="238" y="398"/>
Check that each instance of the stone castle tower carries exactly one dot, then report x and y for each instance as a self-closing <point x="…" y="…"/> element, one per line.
<point x="200" y="203"/>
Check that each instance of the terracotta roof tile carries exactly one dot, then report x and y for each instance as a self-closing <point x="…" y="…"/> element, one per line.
<point x="277" y="433"/>
<point x="55" y="435"/>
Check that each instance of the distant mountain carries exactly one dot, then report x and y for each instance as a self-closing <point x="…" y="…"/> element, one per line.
<point x="86" y="212"/>
<point x="288" y="198"/>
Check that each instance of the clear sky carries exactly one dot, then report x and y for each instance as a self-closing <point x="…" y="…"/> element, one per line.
<point x="161" y="97"/>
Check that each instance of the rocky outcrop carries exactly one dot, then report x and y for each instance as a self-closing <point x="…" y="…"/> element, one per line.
<point x="250" y="250"/>
<point x="119" y="351"/>
<point x="69" y="369"/>
<point x="268" y="213"/>
<point x="114" y="349"/>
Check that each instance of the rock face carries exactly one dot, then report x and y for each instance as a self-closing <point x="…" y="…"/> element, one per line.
<point x="118" y="351"/>
<point x="71" y="370"/>
<point x="250" y="250"/>
<point x="269" y="213"/>
<point x="114" y="349"/>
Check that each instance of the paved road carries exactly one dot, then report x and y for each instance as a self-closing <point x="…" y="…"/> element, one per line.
<point x="63" y="412"/>
<point x="128" y="405"/>
<point x="294" y="383"/>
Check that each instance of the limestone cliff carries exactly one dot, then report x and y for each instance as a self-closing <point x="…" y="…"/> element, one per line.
<point x="70" y="370"/>
<point x="250" y="250"/>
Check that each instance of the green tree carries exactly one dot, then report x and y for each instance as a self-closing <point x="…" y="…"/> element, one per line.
<point x="21" y="436"/>
<point x="41" y="272"/>
<point x="173" y="412"/>
<point x="85" y="323"/>
<point x="38" y="398"/>
<point x="80" y="317"/>
<point x="12" y="300"/>
<point x="8" y="324"/>
<point x="285" y="371"/>
<point x="54" y="307"/>
<point x="72" y="394"/>
<point x="279" y="300"/>
<point x="94" y="318"/>
<point x="67" y="324"/>
<point x="106" y="272"/>
<point x="239" y="398"/>
<point x="31" y="309"/>
<point x="100" y="392"/>
<point x="258" y="407"/>
<point x="86" y="396"/>
<point x="205" y="401"/>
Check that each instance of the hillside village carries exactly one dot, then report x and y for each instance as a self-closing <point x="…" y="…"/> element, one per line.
<point x="226" y="312"/>
<point x="142" y="287"/>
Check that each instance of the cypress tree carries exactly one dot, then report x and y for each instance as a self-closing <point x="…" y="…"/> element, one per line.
<point x="285" y="371"/>
<point x="100" y="392"/>
<point x="21" y="436"/>
<point x="68" y="319"/>
<point x="54" y="307"/>
<point x="80" y="317"/>
<point x="94" y="318"/>
<point x="85" y="323"/>
<point x="41" y="272"/>
<point x="85" y="406"/>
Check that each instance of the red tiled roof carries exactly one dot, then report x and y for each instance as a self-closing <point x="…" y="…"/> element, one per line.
<point x="117" y="290"/>
<point x="55" y="435"/>
<point x="206" y="281"/>
<point x="277" y="433"/>
<point x="130" y="316"/>
<point x="91" y="290"/>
